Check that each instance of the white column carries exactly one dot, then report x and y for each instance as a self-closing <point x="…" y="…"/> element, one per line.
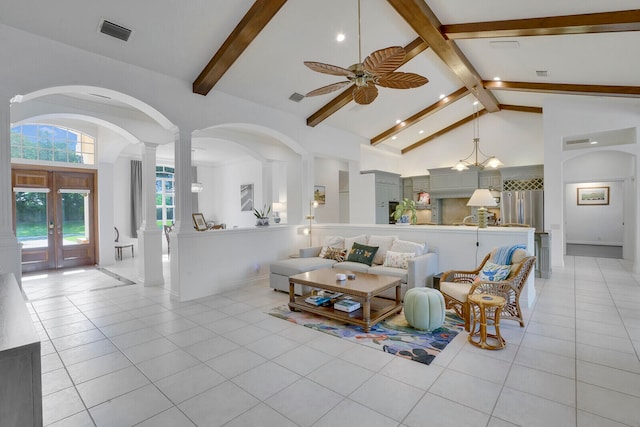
<point x="182" y="211"/>
<point x="10" y="250"/>
<point x="149" y="235"/>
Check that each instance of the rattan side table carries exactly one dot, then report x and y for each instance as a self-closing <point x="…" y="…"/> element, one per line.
<point x="478" y="335"/>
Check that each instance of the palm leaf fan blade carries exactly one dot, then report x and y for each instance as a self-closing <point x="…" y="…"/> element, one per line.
<point x="399" y="80"/>
<point x="364" y="95"/>
<point x="328" y="88"/>
<point x="385" y="60"/>
<point x="334" y="70"/>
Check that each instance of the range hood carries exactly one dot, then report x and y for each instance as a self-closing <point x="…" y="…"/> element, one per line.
<point x="450" y="184"/>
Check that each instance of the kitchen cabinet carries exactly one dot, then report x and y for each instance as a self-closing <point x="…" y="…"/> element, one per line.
<point x="491" y="179"/>
<point x="387" y="188"/>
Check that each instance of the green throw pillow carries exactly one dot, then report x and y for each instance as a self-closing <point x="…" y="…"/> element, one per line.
<point x="362" y="253"/>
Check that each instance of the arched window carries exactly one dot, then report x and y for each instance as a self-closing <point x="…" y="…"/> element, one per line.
<point x="50" y="143"/>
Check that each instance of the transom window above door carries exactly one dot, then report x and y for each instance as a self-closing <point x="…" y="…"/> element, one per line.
<point x="49" y="143"/>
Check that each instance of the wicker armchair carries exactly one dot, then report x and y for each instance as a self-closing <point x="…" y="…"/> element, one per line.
<point x="456" y="285"/>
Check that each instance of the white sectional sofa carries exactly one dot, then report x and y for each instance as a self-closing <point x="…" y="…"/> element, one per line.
<point x="421" y="265"/>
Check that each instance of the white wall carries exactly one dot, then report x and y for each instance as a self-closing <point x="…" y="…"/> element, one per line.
<point x="327" y="174"/>
<point x="595" y="224"/>
<point x="224" y="205"/>
<point x="580" y="116"/>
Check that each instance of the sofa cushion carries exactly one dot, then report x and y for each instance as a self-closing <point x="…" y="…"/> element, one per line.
<point x="333" y="241"/>
<point x="291" y="266"/>
<point x="390" y="271"/>
<point x="457" y="291"/>
<point x="406" y="246"/>
<point x="337" y="254"/>
<point x="356" y="267"/>
<point x="398" y="259"/>
<point x="362" y="253"/>
<point x="349" y="241"/>
<point x="383" y="243"/>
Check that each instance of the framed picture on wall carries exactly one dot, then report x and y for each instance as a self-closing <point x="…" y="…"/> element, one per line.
<point x="319" y="194"/>
<point x="593" y="196"/>
<point x="246" y="197"/>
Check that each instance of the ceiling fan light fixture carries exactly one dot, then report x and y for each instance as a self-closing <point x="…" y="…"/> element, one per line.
<point x="377" y="69"/>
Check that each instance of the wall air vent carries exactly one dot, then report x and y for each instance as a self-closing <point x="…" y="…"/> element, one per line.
<point x="578" y="141"/>
<point x="296" y="97"/>
<point x="114" y="30"/>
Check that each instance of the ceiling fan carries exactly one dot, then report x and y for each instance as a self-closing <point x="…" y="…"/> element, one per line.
<point x="377" y="69"/>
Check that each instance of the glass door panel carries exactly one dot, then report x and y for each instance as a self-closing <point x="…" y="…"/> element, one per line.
<point x="32" y="219"/>
<point x="75" y="218"/>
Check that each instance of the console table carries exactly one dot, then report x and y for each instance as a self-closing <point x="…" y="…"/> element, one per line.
<point x="20" y="369"/>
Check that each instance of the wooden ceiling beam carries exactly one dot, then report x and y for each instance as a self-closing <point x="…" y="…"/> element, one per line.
<point x="240" y="38"/>
<point x="412" y="50"/>
<point x="606" y="22"/>
<point x="521" y="108"/>
<point x="425" y="23"/>
<point x="443" y="131"/>
<point x="565" y="88"/>
<point x="431" y="109"/>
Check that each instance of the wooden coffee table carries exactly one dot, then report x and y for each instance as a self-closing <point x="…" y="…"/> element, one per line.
<point x="364" y="288"/>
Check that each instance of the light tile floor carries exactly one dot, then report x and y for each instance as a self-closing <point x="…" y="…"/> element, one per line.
<point x="129" y="355"/>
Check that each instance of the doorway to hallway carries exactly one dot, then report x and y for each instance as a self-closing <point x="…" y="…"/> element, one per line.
<point x="55" y="217"/>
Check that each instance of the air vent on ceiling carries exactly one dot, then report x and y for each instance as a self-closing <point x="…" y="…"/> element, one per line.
<point x="578" y="141"/>
<point x="114" y="30"/>
<point x="542" y="73"/>
<point x="296" y="97"/>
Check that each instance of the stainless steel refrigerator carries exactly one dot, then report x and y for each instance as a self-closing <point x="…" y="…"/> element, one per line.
<point x="523" y="207"/>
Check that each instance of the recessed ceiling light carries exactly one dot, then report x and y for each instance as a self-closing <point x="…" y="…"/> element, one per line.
<point x="476" y="102"/>
<point x="496" y="78"/>
<point x="393" y="137"/>
<point x="593" y="142"/>
<point x="340" y="37"/>
<point x="442" y="95"/>
<point x="421" y="131"/>
<point x="398" y="121"/>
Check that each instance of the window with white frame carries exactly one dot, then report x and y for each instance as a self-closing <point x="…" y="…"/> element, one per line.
<point x="165" y="195"/>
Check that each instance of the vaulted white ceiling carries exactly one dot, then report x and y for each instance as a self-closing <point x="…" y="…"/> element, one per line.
<point x="179" y="38"/>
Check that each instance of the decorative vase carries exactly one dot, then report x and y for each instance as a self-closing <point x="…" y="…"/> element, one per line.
<point x="262" y="222"/>
<point x="276" y="220"/>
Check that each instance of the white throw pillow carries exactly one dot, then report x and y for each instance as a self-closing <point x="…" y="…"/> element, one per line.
<point x="383" y="243"/>
<point x="398" y="259"/>
<point x="333" y="241"/>
<point x="406" y="246"/>
<point x="349" y="241"/>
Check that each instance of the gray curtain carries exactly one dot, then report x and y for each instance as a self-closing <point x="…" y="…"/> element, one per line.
<point x="136" y="197"/>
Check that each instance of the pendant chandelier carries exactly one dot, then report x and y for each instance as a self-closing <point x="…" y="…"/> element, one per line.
<point x="489" y="161"/>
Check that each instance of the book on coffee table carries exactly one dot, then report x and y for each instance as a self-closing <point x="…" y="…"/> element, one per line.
<point x="317" y="300"/>
<point x="347" y="305"/>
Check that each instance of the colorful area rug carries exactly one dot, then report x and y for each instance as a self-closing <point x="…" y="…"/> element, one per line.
<point x="393" y="335"/>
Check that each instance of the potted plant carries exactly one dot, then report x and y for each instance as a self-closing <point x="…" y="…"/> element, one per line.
<point x="262" y="215"/>
<point x="405" y="212"/>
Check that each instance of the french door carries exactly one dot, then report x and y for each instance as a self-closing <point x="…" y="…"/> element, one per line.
<point x="54" y="217"/>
